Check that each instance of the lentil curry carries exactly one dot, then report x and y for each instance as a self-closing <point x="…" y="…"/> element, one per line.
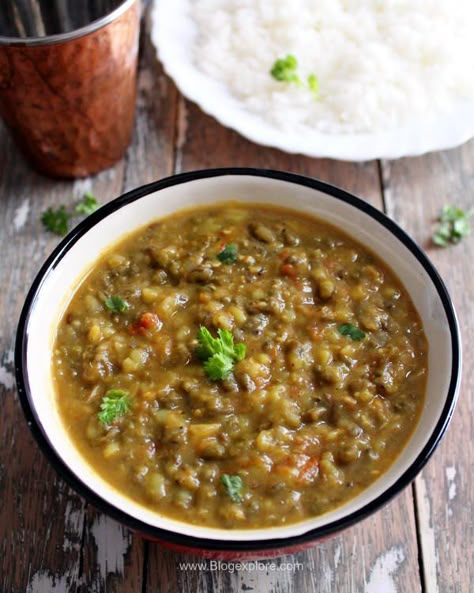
<point x="240" y="366"/>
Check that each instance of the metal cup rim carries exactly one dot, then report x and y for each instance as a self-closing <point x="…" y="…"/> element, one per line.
<point x="70" y="35"/>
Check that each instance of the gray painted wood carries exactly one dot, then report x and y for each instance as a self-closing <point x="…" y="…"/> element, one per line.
<point x="416" y="190"/>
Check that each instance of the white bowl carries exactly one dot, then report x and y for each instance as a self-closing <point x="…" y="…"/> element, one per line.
<point x="54" y="285"/>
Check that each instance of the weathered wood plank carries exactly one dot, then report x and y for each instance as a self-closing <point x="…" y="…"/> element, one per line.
<point x="152" y="153"/>
<point x="202" y="143"/>
<point x="415" y="191"/>
<point x="41" y="519"/>
<point x="112" y="556"/>
<point x="376" y="556"/>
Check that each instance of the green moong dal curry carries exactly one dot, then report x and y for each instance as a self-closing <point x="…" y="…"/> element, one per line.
<point x="240" y="366"/>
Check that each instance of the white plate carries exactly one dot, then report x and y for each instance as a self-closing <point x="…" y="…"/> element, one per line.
<point x="173" y="32"/>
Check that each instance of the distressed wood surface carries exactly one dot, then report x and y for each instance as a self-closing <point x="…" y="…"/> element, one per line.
<point x="415" y="191"/>
<point x="51" y="541"/>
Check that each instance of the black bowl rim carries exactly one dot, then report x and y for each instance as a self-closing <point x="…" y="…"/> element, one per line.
<point x="198" y="543"/>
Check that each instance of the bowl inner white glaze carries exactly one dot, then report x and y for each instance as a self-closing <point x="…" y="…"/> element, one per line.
<point x="57" y="288"/>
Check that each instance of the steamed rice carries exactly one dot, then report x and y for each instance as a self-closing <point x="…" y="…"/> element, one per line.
<point x="379" y="63"/>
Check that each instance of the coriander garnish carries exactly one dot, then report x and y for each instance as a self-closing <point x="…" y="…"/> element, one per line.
<point x="115" y="403"/>
<point x="116" y="304"/>
<point x="313" y="84"/>
<point x="56" y="221"/>
<point x="88" y="204"/>
<point x="219" y="354"/>
<point x="347" y="329"/>
<point x="228" y="255"/>
<point x="233" y="486"/>
<point x="453" y="225"/>
<point x="286" y="70"/>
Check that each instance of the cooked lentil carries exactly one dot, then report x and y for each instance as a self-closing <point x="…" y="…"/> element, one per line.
<point x="303" y="423"/>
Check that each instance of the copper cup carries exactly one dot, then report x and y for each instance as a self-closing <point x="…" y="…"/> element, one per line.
<point x="68" y="81"/>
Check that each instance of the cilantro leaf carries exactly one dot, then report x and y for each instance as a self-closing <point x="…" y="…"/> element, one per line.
<point x="453" y="225"/>
<point x="88" y="205"/>
<point x="313" y="84"/>
<point x="285" y="70"/>
<point x="56" y="221"/>
<point x="451" y="213"/>
<point x="439" y="240"/>
<point x="207" y="344"/>
<point x="115" y="403"/>
<point x="218" y="366"/>
<point x="219" y="354"/>
<point x="239" y="351"/>
<point x="227" y="342"/>
<point x="233" y="486"/>
<point x="228" y="255"/>
<point x="347" y="329"/>
<point x="116" y="304"/>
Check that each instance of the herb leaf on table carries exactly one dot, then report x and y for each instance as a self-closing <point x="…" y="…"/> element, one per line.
<point x="453" y="225"/>
<point x="56" y="220"/>
<point x="88" y="204"/>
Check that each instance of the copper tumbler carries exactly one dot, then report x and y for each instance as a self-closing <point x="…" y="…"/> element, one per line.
<point x="68" y="81"/>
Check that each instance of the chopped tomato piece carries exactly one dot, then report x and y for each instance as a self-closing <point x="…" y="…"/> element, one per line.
<point x="148" y="320"/>
<point x="145" y="322"/>
<point x="288" y="270"/>
<point x="309" y="471"/>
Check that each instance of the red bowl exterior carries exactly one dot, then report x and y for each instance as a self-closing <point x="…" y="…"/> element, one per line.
<point x="231" y="555"/>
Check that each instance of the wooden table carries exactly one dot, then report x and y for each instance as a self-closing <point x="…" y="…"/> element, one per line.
<point x="52" y="541"/>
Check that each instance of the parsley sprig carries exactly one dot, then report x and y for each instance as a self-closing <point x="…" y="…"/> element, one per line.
<point x="219" y="354"/>
<point x="233" y="486"/>
<point x="286" y="70"/>
<point x="115" y="403"/>
<point x="453" y="225"/>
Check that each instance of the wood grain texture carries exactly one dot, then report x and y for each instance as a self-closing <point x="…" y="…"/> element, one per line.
<point x="152" y="153"/>
<point x="416" y="190"/>
<point x="41" y="519"/>
<point x="380" y="554"/>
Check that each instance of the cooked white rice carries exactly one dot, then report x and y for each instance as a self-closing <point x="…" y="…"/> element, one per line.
<point x="379" y="63"/>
